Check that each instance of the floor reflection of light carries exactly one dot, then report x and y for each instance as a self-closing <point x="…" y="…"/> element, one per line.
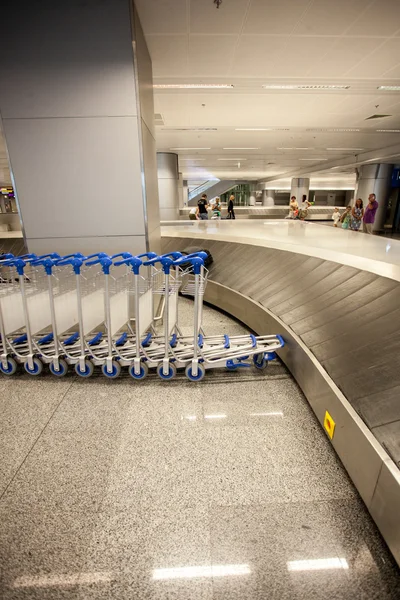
<point x="215" y="416"/>
<point x="201" y="571"/>
<point x="61" y="580"/>
<point x="267" y="414"/>
<point x="317" y="564"/>
<point x="191" y="417"/>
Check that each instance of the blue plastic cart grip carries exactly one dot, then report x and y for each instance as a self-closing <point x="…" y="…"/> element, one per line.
<point x="18" y="263"/>
<point x="195" y="261"/>
<point x="173" y="255"/>
<point x="122" y="255"/>
<point x="76" y="263"/>
<point x="133" y="261"/>
<point x="148" y="255"/>
<point x="47" y="263"/>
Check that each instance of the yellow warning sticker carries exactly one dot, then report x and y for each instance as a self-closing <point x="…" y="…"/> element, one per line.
<point x="329" y="425"/>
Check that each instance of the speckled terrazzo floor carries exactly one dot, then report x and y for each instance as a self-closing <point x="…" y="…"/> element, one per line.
<point x="223" y="490"/>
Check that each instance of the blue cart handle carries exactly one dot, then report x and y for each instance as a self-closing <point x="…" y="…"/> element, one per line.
<point x="18" y="263"/>
<point x="6" y="256"/>
<point x="27" y="256"/>
<point x="75" y="262"/>
<point x="97" y="255"/>
<point x="105" y="262"/>
<point x="173" y="255"/>
<point x="133" y="261"/>
<point x="165" y="261"/>
<point x="122" y="255"/>
<point x="148" y="255"/>
<point x="51" y="255"/>
<point x="196" y="261"/>
<point x="201" y="254"/>
<point x="76" y="255"/>
<point x="47" y="263"/>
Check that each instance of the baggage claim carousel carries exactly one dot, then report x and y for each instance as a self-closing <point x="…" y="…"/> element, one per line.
<point x="334" y="297"/>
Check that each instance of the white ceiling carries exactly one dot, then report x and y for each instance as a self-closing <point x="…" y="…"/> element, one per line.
<point x="248" y="43"/>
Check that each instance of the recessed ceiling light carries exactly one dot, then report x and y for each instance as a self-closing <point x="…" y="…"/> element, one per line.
<point x="340" y="149"/>
<point x="192" y="86"/>
<point x="388" y="130"/>
<point x="240" y="148"/>
<point x="253" y="129"/>
<point x="285" y="148"/>
<point x="389" y="88"/>
<point x="189" y="129"/>
<point x="304" y="87"/>
<point x="332" y="130"/>
<point x="313" y="159"/>
<point x="190" y="148"/>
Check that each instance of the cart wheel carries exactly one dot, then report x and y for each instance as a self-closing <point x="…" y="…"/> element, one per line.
<point x="37" y="367"/>
<point x="10" y="368"/>
<point x="88" y="370"/>
<point x="200" y="373"/>
<point x="144" y="369"/>
<point x="62" y="368"/>
<point x="115" y="372"/>
<point x="171" y="372"/>
<point x="260" y="362"/>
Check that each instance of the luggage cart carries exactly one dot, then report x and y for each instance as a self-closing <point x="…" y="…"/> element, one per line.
<point x="203" y="352"/>
<point x="21" y="304"/>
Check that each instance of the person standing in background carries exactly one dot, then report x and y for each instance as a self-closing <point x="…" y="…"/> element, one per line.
<point x="356" y="215"/>
<point x="231" y="212"/>
<point x="336" y="217"/>
<point x="293" y="208"/>
<point x="202" y="207"/>
<point x="216" y="208"/>
<point x="346" y="218"/>
<point x="369" y="214"/>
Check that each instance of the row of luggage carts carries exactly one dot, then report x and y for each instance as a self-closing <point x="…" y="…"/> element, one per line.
<point x="114" y="312"/>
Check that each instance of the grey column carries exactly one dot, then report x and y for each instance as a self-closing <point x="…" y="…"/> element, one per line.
<point x="375" y="179"/>
<point x="185" y="193"/>
<point x="268" y="197"/>
<point x="300" y="186"/>
<point x="168" y="185"/>
<point x="78" y="119"/>
<point x="252" y="198"/>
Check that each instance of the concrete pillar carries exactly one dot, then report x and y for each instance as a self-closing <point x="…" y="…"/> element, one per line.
<point x="253" y="190"/>
<point x="78" y="119"/>
<point x="168" y="185"/>
<point x="268" y="197"/>
<point x="300" y="186"/>
<point x="375" y="179"/>
<point x="180" y="190"/>
<point x="185" y="193"/>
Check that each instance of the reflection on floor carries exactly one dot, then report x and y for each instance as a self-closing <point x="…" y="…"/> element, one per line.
<point x="226" y="489"/>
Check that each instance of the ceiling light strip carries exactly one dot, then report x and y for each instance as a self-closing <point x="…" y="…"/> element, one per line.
<point x="291" y="86"/>
<point x="193" y="86"/>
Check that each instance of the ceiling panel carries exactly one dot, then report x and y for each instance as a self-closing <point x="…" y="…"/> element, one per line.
<point x="205" y="18"/>
<point x="380" y="18"/>
<point x="255" y="55"/>
<point x="376" y="64"/>
<point x="342" y="56"/>
<point x="274" y="16"/>
<point x="301" y="55"/>
<point x="321" y="19"/>
<point x="162" y="16"/>
<point x="169" y="55"/>
<point x="210" y="55"/>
